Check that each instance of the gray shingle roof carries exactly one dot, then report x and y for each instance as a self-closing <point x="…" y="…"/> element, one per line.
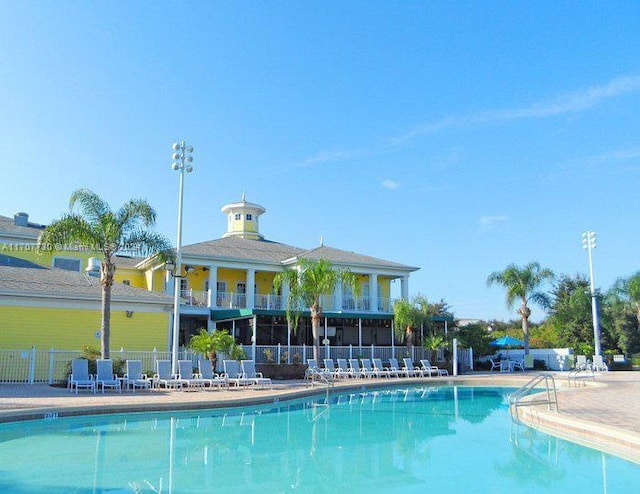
<point x="277" y="253"/>
<point x="242" y="248"/>
<point x="8" y="226"/>
<point x="52" y="281"/>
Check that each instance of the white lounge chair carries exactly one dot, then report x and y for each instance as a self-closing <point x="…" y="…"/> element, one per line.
<point x="344" y="369"/>
<point x="495" y="365"/>
<point x="164" y="377"/>
<point x="134" y="378"/>
<point x="105" y="377"/>
<point x="249" y="372"/>
<point x="233" y="373"/>
<point x="79" y="377"/>
<point x="437" y="370"/>
<point x="411" y="369"/>
<point x="395" y="367"/>
<point x="211" y="378"/>
<point x="356" y="370"/>
<point x="381" y="370"/>
<point x="599" y="364"/>
<point x="582" y="363"/>
<point x="367" y="369"/>
<point x="331" y="368"/>
<point x="188" y="378"/>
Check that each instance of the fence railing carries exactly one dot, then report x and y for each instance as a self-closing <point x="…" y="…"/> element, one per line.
<point x="50" y="366"/>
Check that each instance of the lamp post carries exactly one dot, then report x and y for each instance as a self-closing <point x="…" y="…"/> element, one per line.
<point x="589" y="243"/>
<point x="182" y="159"/>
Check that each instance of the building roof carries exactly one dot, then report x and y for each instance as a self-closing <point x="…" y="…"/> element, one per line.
<point x="243" y="249"/>
<point x="9" y="227"/>
<point x="237" y="248"/>
<point x="38" y="280"/>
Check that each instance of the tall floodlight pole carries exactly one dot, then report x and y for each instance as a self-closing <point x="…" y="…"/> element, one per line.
<point x="589" y="243"/>
<point x="182" y="159"/>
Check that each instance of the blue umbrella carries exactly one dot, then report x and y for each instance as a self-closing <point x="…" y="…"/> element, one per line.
<point x="506" y="341"/>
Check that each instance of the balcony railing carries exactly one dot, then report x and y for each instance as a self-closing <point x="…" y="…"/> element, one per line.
<point x="231" y="300"/>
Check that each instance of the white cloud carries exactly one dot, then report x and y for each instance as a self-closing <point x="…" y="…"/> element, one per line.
<point x="390" y="184"/>
<point x="487" y="223"/>
<point x="573" y="102"/>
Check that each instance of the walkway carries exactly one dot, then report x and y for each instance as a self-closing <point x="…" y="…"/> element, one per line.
<point x="604" y="414"/>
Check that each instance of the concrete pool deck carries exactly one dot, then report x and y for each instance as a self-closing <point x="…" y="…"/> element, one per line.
<point x="603" y="414"/>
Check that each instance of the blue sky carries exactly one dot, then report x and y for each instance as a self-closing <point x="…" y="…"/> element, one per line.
<point x="454" y="136"/>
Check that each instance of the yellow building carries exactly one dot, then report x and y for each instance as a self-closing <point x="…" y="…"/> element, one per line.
<point x="225" y="283"/>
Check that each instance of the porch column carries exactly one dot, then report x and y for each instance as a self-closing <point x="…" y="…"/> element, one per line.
<point x="254" y="327"/>
<point x="285" y="296"/>
<point x="169" y="283"/>
<point x="338" y="296"/>
<point x="213" y="286"/>
<point x="404" y="287"/>
<point x="251" y="293"/>
<point x="360" y="335"/>
<point x="373" y="292"/>
<point x="393" y="339"/>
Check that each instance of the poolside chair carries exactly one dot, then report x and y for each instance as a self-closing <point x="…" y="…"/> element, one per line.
<point x="581" y="362"/>
<point x="412" y="369"/>
<point x="495" y="364"/>
<point x="599" y="364"/>
<point x="382" y="371"/>
<point x="105" y="377"/>
<point x="234" y="373"/>
<point x="517" y="365"/>
<point x="332" y="370"/>
<point x="188" y="378"/>
<point x="134" y="378"/>
<point x="437" y="370"/>
<point x="257" y="378"/>
<point x="312" y="369"/>
<point x="164" y="377"/>
<point x="344" y="369"/>
<point x="211" y="378"/>
<point x="79" y="377"/>
<point x="356" y="370"/>
<point x="367" y="368"/>
<point x="394" y="366"/>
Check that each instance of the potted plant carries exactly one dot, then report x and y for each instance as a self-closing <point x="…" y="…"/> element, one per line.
<point x="209" y="344"/>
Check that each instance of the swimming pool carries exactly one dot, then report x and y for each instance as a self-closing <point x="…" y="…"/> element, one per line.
<point x="416" y="439"/>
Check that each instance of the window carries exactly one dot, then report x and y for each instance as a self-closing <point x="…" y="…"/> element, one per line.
<point x="248" y="217"/>
<point x="66" y="263"/>
<point x="126" y="282"/>
<point x="221" y="287"/>
<point x="238" y="216"/>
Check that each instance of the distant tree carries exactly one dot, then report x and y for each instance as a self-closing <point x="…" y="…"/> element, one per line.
<point x="570" y="311"/>
<point x="308" y="282"/>
<point x="521" y="284"/>
<point x="96" y="227"/>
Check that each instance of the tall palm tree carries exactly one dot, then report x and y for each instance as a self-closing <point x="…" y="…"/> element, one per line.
<point x="96" y="227"/>
<point x="308" y="281"/>
<point x="522" y="284"/>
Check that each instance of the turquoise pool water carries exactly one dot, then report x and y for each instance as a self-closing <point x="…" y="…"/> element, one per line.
<point x="408" y="440"/>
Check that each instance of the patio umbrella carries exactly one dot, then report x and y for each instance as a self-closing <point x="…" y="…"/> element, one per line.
<point x="506" y="341"/>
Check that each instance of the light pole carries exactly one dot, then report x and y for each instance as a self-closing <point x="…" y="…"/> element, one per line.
<point x="183" y="158"/>
<point x="589" y="243"/>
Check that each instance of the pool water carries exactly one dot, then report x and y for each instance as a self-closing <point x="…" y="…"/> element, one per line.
<point x="406" y="440"/>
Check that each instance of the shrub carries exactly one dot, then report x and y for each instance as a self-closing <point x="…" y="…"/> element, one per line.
<point x="539" y="364"/>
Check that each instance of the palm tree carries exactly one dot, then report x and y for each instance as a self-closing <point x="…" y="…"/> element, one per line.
<point x="100" y="229"/>
<point x="208" y="344"/>
<point x="521" y="284"/>
<point x="308" y="282"/>
<point x="408" y="315"/>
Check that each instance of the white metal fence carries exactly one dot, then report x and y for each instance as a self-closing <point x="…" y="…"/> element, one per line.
<point x="49" y="366"/>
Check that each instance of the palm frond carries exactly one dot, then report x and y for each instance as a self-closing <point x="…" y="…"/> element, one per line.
<point x="92" y="206"/>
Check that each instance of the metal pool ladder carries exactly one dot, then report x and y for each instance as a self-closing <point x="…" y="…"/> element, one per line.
<point x="549" y="397"/>
<point x="324" y="407"/>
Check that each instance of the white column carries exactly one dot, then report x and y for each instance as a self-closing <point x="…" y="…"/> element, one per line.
<point x="251" y="294"/>
<point x="404" y="287"/>
<point x="254" y="324"/>
<point x="373" y="292"/>
<point x="168" y="283"/>
<point x="285" y="295"/>
<point x="213" y="286"/>
<point x="338" y="296"/>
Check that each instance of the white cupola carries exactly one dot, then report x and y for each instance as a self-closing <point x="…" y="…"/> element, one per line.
<point x="243" y="219"/>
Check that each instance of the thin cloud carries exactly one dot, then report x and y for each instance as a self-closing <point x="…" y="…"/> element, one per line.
<point x="487" y="223"/>
<point x="390" y="184"/>
<point x="567" y="103"/>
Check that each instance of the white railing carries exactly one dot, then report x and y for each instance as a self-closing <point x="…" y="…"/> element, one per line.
<point x="197" y="298"/>
<point x="230" y="300"/>
<point x="49" y="366"/>
<point x="268" y="301"/>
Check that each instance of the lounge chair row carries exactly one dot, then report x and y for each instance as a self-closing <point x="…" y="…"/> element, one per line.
<point x="355" y="368"/>
<point x="238" y="373"/>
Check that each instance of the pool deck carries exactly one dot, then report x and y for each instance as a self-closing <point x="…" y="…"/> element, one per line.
<point x="604" y="414"/>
